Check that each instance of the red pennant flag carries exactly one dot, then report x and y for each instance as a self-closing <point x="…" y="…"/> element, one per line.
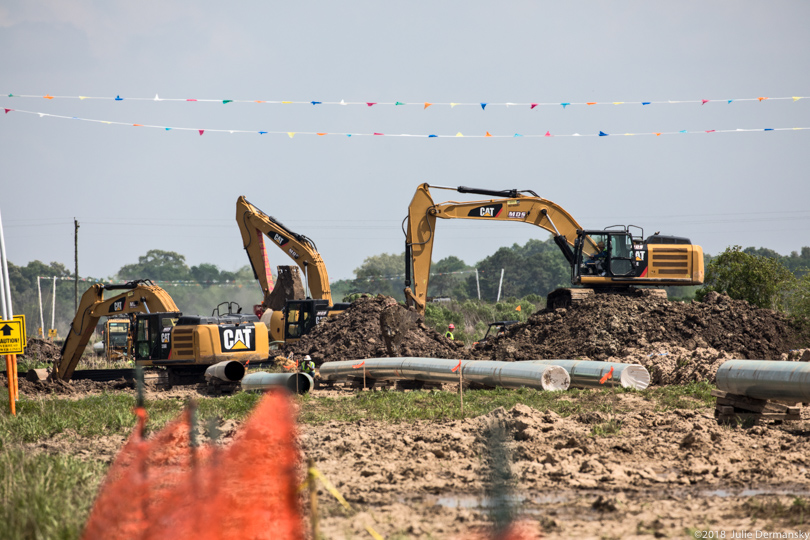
<point x="533" y="106"/>
<point x="379" y="134"/>
<point x="705" y="101"/>
<point x="8" y="110"/>
<point x="361" y="364"/>
<point x="370" y="104"/>
<point x="201" y="131"/>
<point x="608" y="375"/>
<point x="456" y="368"/>
<point x="548" y="134"/>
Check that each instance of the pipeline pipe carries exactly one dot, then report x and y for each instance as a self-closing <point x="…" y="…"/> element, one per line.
<point x="439" y="370"/>
<point x="228" y="371"/>
<point x="766" y="379"/>
<point x="262" y="380"/>
<point x="588" y="373"/>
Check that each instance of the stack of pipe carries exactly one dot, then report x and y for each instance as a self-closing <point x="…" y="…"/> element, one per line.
<point x="441" y="370"/>
<point x="766" y="379"/>
<point x="589" y="374"/>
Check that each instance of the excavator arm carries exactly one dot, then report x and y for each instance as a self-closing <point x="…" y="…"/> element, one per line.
<point x="255" y="225"/>
<point x="511" y="205"/>
<point x="137" y="297"/>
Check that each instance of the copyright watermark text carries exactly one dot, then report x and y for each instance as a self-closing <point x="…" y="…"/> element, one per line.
<point x="735" y="535"/>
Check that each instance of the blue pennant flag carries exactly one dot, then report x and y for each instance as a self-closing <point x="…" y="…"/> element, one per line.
<point x="646" y="102"/>
<point x="119" y="98"/>
<point x="603" y="134"/>
<point x="483" y="106"/>
<point x="316" y="102"/>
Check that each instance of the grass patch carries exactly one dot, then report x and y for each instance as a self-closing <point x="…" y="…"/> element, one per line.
<point x="693" y="395"/>
<point x="44" y="496"/>
<point x="774" y="509"/>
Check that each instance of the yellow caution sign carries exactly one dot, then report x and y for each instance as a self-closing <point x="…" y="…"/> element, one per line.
<point x="21" y="318"/>
<point x="12" y="339"/>
<point x="51" y="332"/>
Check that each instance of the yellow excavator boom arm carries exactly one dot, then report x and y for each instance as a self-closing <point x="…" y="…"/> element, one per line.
<point x="137" y="297"/>
<point x="255" y="225"/>
<point x="513" y="205"/>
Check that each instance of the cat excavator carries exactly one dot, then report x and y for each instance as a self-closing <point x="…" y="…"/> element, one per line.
<point x="161" y="335"/>
<point x="292" y="315"/>
<point x="610" y="260"/>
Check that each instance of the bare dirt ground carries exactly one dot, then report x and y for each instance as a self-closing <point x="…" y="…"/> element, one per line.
<point x="657" y="474"/>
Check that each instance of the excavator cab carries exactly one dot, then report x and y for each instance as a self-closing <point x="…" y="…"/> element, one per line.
<point x="606" y="253"/>
<point x="152" y="335"/>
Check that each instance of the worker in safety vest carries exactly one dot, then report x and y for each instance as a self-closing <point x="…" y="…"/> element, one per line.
<point x="308" y="366"/>
<point x="449" y="333"/>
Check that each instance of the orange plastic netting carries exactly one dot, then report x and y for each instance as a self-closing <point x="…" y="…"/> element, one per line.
<point x="166" y="488"/>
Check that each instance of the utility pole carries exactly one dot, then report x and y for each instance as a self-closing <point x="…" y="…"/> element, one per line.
<point x="500" y="283"/>
<point x="76" y="260"/>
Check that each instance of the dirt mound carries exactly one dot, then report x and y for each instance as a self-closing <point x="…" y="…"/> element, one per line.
<point x="355" y="334"/>
<point x="642" y="326"/>
<point x="42" y="350"/>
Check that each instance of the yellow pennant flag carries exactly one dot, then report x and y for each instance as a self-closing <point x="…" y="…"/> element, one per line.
<point x="84" y="97"/>
<point x="286" y="102"/>
<point x="291" y="134"/>
<point x="796" y="98"/>
<point x="459" y="134"/>
<point x="453" y="105"/>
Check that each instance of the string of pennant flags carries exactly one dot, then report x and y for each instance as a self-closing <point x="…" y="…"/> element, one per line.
<point x="424" y="104"/>
<point x="292" y="134"/>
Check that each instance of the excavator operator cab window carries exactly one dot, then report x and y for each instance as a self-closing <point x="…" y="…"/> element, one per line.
<point x="621" y="254"/>
<point x="594" y="254"/>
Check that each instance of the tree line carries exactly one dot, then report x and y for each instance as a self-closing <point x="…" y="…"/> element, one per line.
<point x="530" y="271"/>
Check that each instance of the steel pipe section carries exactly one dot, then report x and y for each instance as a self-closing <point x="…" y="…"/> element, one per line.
<point x="259" y="381"/>
<point x="766" y="379"/>
<point x="228" y="371"/>
<point x="588" y="373"/>
<point x="439" y="370"/>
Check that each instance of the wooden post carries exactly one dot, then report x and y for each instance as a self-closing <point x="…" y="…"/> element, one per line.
<point x="9" y="376"/>
<point x="461" y="389"/>
<point x="76" y="261"/>
<point x="313" y="500"/>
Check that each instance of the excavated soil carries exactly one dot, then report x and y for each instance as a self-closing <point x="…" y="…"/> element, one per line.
<point x="355" y="335"/>
<point x="631" y="471"/>
<point x="677" y="342"/>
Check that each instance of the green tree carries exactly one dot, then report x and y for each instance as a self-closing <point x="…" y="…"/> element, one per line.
<point x="381" y="274"/>
<point x="447" y="278"/>
<point x="537" y="267"/>
<point x="762" y="281"/>
<point x="157" y="265"/>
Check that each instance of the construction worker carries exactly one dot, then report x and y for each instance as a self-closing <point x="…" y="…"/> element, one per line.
<point x="308" y="366"/>
<point x="449" y="333"/>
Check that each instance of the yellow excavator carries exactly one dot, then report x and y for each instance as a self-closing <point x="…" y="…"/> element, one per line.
<point x="161" y="335"/>
<point x="608" y="260"/>
<point x="293" y="317"/>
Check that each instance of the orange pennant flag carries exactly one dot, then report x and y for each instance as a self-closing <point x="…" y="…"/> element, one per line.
<point x="48" y="96"/>
<point x="488" y="134"/>
<point x="517" y="308"/>
<point x="321" y="134"/>
<point x="427" y="105"/>
<point x="608" y="375"/>
<point x="762" y="98"/>
<point x="456" y="368"/>
<point x="361" y="364"/>
<point x="591" y="103"/>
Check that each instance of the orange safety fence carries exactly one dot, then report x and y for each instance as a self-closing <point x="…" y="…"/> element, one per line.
<point x="167" y="488"/>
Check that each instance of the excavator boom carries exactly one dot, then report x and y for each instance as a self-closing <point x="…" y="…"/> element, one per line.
<point x="255" y="225"/>
<point x="514" y="206"/>
<point x="137" y="297"/>
<point x="609" y="259"/>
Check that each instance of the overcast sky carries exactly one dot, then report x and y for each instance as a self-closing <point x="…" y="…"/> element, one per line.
<point x="138" y="188"/>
